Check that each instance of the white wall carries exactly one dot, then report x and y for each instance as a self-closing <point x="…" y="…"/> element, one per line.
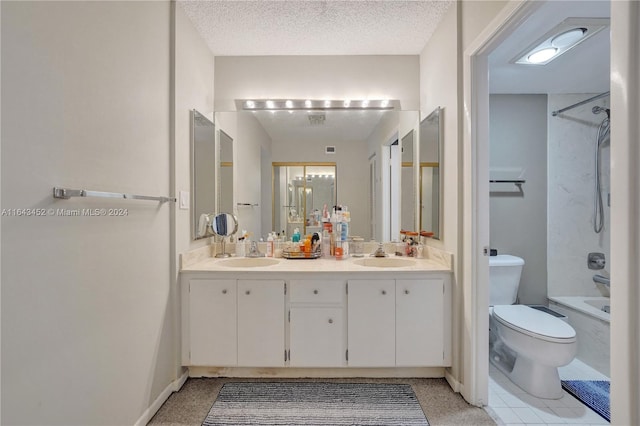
<point x="439" y="85"/>
<point x="316" y="77"/>
<point x="193" y="73"/>
<point x="87" y="330"/>
<point x="572" y="141"/>
<point x="518" y="139"/>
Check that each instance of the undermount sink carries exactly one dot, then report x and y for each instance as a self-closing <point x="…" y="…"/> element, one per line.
<point x="248" y="262"/>
<point x="384" y="262"/>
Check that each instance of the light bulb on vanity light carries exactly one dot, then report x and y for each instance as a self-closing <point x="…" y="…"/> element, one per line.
<point x="365" y="103"/>
<point x="250" y="104"/>
<point x="270" y="104"/>
<point x="307" y="103"/>
<point x="289" y="104"/>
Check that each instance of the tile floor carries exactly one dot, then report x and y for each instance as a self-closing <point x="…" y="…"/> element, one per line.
<point x="510" y="405"/>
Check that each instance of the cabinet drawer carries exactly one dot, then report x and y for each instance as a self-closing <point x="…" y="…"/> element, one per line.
<point x="317" y="291"/>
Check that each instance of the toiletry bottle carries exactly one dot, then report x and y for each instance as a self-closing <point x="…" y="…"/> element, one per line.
<point x="270" y="245"/>
<point x="240" y="245"/>
<point x="326" y="243"/>
<point x="296" y="235"/>
<point x="307" y="246"/>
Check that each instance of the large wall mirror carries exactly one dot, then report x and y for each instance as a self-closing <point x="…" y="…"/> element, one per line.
<point x="430" y="173"/>
<point x="356" y="143"/>
<point x="203" y="160"/>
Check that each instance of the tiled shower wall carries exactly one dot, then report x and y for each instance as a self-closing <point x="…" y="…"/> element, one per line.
<point x="571" y="181"/>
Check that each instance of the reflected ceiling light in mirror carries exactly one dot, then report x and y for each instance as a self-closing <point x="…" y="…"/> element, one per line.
<point x="564" y="37"/>
<point x="310" y="104"/>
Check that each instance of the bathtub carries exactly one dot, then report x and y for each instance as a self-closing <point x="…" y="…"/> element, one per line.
<point x="588" y="316"/>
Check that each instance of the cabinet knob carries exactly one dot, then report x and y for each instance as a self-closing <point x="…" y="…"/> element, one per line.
<point x="224" y="291"/>
<point x="315" y="291"/>
<point x="406" y="292"/>
<point x="384" y="292"/>
<point x="248" y="292"/>
<point x="330" y="321"/>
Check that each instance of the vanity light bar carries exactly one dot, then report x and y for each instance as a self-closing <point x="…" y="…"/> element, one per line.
<point x="316" y="104"/>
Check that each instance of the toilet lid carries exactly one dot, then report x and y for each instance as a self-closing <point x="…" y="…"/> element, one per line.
<point x="535" y="323"/>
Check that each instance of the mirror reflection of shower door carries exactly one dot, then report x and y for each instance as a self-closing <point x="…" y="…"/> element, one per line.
<point x="307" y="188"/>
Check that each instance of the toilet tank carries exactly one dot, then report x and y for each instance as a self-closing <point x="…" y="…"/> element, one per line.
<point x="504" y="278"/>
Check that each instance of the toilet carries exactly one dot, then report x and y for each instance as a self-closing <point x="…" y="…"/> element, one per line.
<point x="526" y="344"/>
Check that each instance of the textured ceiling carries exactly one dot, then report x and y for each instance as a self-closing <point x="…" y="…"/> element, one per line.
<point x="313" y="27"/>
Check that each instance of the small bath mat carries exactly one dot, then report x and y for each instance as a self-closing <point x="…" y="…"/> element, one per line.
<point x="315" y="403"/>
<point x="593" y="393"/>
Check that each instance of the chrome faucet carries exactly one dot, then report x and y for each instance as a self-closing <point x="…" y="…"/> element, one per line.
<point x="253" y="251"/>
<point x="380" y="251"/>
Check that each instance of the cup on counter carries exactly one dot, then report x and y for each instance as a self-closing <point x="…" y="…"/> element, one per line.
<point x="356" y="246"/>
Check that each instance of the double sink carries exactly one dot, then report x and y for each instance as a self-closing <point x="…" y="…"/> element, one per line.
<point x="377" y="262"/>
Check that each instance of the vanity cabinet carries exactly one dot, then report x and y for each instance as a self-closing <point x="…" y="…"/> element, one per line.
<point x="308" y="320"/>
<point x="371" y="322"/>
<point x="397" y="323"/>
<point x="420" y="322"/>
<point x="316" y="323"/>
<point x="212" y="322"/>
<point x="261" y="323"/>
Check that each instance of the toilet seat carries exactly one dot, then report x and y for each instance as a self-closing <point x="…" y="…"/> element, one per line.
<point x="534" y="323"/>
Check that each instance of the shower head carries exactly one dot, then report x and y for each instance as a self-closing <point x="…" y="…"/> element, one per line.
<point x="599" y="109"/>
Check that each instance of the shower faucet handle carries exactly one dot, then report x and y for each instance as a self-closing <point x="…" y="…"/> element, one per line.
<point x="596" y="261"/>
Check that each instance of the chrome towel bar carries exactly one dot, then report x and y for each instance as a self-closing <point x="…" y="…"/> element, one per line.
<point x="66" y="193"/>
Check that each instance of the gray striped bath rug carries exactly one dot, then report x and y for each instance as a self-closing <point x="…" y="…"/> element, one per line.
<point x="315" y="403"/>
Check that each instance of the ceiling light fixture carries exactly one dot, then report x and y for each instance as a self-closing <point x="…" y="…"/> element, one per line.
<point x="542" y="55"/>
<point x="309" y="104"/>
<point x="562" y="38"/>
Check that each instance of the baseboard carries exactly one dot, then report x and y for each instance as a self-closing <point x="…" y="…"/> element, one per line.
<point x="292" y="372"/>
<point x="455" y="384"/>
<point x="164" y="395"/>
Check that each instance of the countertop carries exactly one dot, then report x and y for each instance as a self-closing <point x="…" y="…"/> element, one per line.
<point x="317" y="265"/>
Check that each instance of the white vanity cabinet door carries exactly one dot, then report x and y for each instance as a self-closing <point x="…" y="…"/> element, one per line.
<point x="316" y="337"/>
<point x="419" y="322"/>
<point x="212" y="322"/>
<point x="261" y="323"/>
<point x="371" y="323"/>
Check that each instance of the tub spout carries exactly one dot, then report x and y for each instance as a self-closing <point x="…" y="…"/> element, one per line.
<point x="597" y="278"/>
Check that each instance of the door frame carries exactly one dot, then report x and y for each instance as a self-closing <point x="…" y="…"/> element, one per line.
<point x="625" y="206"/>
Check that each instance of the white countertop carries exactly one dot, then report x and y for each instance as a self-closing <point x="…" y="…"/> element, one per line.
<point x="317" y="265"/>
